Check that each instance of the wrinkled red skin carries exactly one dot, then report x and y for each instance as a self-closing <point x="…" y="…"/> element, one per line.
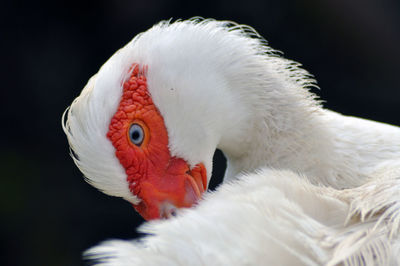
<point x="152" y="174"/>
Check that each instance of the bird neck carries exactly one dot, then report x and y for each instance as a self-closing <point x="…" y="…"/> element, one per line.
<point x="287" y="129"/>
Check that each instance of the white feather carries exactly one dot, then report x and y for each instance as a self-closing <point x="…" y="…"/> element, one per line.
<point x="218" y="85"/>
<point x="271" y="217"/>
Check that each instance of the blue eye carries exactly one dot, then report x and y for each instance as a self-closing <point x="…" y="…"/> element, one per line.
<point x="136" y="134"/>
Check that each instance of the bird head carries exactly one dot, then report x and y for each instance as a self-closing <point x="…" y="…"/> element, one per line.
<point x="137" y="131"/>
<point x="146" y="126"/>
<point x="130" y="155"/>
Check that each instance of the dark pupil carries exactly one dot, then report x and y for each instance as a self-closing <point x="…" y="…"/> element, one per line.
<point x="135" y="135"/>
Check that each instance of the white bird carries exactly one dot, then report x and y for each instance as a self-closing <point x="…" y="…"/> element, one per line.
<point x="146" y="127"/>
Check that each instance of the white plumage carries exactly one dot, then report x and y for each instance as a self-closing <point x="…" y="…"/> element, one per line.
<point x="271" y="217"/>
<point x="332" y="198"/>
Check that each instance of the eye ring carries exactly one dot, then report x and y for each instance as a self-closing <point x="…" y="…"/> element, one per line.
<point x="136" y="134"/>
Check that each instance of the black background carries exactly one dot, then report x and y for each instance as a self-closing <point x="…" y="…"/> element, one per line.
<point x="49" y="49"/>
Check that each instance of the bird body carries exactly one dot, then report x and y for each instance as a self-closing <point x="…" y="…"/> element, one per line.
<point x="218" y="85"/>
<point x="270" y="217"/>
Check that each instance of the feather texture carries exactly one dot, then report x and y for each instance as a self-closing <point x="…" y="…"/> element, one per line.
<point x="333" y="196"/>
<point x="271" y="217"/>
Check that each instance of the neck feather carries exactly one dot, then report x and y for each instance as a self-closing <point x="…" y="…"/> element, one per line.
<point x="286" y="129"/>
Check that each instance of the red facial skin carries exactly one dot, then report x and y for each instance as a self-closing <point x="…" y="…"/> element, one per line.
<point x="152" y="174"/>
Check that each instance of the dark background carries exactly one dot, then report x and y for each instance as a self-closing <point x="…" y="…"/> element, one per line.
<point x="49" y="49"/>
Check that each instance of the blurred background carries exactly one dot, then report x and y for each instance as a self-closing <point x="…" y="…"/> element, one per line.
<point x="49" y="49"/>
